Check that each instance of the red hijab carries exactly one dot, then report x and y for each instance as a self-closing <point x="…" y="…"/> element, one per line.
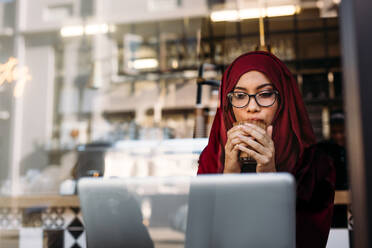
<point x="295" y="149"/>
<point x="292" y="130"/>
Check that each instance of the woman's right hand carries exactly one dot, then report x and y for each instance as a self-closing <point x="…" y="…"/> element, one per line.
<point x="232" y="164"/>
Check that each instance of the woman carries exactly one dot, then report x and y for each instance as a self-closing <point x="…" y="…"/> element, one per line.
<point x="258" y="87"/>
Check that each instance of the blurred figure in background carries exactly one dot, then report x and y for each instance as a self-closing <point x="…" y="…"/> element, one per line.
<point x="335" y="148"/>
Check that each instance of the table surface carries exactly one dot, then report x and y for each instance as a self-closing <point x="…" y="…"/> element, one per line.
<point x="342" y="197"/>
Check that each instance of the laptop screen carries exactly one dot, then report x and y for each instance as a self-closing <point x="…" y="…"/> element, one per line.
<point x="204" y="211"/>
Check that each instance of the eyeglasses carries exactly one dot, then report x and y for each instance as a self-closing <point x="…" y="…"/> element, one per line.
<point x="265" y="98"/>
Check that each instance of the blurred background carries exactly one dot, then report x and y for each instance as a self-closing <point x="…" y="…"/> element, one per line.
<point x="130" y="88"/>
<point x="94" y="74"/>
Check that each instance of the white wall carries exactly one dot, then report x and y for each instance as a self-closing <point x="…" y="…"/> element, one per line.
<point x="39" y="15"/>
<point x="37" y="116"/>
<point x="113" y="11"/>
<point x="6" y="92"/>
<point x="128" y="11"/>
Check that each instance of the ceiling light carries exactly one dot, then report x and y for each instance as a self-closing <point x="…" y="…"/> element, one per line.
<point x="91" y="29"/>
<point x="253" y="13"/>
<point x="96" y="29"/>
<point x="250" y="13"/>
<point x="281" y="10"/>
<point x="224" y="15"/>
<point x="144" y="64"/>
<point x="70" y="31"/>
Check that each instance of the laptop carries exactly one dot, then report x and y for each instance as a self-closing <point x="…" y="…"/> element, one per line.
<point x="254" y="210"/>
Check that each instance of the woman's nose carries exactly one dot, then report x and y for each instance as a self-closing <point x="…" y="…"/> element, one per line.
<point x="252" y="105"/>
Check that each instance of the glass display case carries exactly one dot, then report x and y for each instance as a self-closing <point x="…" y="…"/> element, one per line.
<point x="105" y="78"/>
<point x="100" y="77"/>
<point x="114" y="88"/>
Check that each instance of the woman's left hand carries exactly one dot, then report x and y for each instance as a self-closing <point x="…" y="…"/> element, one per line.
<point x="263" y="150"/>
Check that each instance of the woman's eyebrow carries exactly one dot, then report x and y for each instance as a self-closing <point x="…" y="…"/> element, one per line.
<point x="258" y="87"/>
<point x="263" y="85"/>
<point x="240" y="88"/>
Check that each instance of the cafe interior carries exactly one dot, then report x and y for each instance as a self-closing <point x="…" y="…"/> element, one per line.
<point x="128" y="90"/>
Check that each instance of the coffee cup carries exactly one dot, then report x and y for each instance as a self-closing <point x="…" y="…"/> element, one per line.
<point x="247" y="162"/>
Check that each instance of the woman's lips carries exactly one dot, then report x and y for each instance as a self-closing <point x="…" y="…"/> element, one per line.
<point x="256" y="120"/>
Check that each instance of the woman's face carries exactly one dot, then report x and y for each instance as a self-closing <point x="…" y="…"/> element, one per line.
<point x="253" y="82"/>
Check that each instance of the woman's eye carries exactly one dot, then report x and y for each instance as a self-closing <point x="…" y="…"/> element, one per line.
<point x="239" y="95"/>
<point x="266" y="94"/>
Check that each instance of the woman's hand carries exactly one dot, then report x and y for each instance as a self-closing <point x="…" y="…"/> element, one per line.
<point x="232" y="164"/>
<point x="263" y="150"/>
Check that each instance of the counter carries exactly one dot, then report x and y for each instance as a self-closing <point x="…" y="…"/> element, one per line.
<point x="42" y="221"/>
<point x="342" y="197"/>
<point x="40" y="201"/>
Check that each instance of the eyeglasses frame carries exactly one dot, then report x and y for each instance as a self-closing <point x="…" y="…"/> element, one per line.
<point x="254" y="96"/>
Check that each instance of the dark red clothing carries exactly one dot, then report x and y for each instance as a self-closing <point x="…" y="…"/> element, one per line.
<point x="294" y="140"/>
